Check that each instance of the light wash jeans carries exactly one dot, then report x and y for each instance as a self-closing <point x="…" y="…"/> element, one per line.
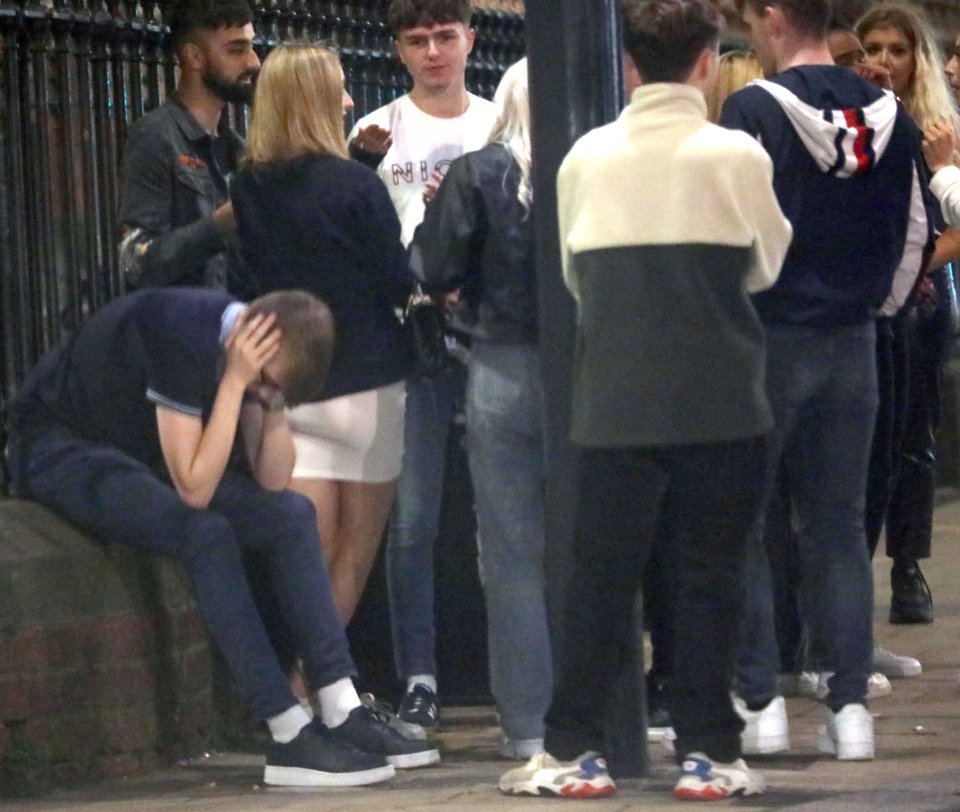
<point x="505" y="452"/>
<point x="822" y="386"/>
<point x="415" y="523"/>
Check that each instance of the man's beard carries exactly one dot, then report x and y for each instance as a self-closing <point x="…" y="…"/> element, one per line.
<point x="230" y="91"/>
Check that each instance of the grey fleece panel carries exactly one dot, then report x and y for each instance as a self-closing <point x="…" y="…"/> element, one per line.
<point x="669" y="348"/>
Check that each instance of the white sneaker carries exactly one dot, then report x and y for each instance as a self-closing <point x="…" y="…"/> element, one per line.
<point x="765" y="731"/>
<point x="895" y="665"/>
<point x="848" y="734"/>
<point x="520" y="749"/>
<point x="814" y="685"/>
<point x="584" y="777"/>
<point x="669" y="740"/>
<point x="703" y="779"/>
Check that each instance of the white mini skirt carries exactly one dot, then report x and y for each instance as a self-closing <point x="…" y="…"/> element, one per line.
<point x="356" y="437"/>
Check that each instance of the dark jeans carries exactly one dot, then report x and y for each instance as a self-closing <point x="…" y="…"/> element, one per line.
<point x="823" y="390"/>
<point x="120" y="500"/>
<point x="701" y="499"/>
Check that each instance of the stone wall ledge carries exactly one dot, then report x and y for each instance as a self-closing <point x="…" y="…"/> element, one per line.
<point x="105" y="666"/>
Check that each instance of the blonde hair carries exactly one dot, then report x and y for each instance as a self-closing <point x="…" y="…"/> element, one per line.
<point x="512" y="127"/>
<point x="928" y="97"/>
<point x="735" y="71"/>
<point x="298" y="105"/>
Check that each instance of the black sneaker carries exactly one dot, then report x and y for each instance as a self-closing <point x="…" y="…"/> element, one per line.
<point x="369" y="731"/>
<point x="420" y="707"/>
<point x="317" y="758"/>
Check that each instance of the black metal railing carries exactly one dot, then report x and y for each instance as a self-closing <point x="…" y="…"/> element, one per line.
<point x="74" y="74"/>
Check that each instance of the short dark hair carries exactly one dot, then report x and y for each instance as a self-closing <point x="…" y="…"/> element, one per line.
<point x="810" y="17"/>
<point x="308" y="337"/>
<point x="405" y="14"/>
<point x="186" y="16"/>
<point x="666" y="37"/>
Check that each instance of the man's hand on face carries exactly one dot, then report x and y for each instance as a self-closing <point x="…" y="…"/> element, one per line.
<point x="939" y="142"/>
<point x="373" y="138"/>
<point x="252" y="343"/>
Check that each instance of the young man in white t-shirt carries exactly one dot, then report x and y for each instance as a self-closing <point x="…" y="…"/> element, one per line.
<point x="411" y="142"/>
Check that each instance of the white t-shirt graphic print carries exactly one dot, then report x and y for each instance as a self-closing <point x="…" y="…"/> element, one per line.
<point x="423" y="144"/>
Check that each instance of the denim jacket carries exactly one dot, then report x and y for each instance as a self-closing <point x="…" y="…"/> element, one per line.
<point x="172" y="184"/>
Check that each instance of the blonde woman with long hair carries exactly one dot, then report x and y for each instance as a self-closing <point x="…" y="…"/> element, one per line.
<point x="897" y="36"/>
<point x="308" y="217"/>
<point x="736" y="70"/>
<point x="476" y="237"/>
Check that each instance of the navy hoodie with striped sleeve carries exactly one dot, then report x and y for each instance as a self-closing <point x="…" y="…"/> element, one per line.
<point x="843" y="155"/>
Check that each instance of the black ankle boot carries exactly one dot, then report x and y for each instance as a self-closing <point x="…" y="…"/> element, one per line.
<point x="911" y="601"/>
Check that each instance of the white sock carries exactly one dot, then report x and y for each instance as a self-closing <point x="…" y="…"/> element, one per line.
<point x="428" y="680"/>
<point x="286" y="726"/>
<point x="337" y="700"/>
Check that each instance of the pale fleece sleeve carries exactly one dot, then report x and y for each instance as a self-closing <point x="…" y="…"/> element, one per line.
<point x="945" y="185"/>
<point x="566" y="213"/>
<point x="772" y="231"/>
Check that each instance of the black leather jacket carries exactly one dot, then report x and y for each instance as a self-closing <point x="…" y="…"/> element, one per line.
<point x="476" y="237"/>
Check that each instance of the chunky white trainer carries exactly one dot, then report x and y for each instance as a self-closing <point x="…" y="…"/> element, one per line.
<point x="584" y="777"/>
<point x="765" y="731"/>
<point x="814" y="684"/>
<point x="848" y="733"/>
<point x="895" y="665"/>
<point x="702" y="779"/>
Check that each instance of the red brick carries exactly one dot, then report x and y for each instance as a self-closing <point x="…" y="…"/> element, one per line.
<point x="24" y="652"/>
<point x="75" y="737"/>
<point x="120" y="639"/>
<point x="127" y="730"/>
<point x="122" y="684"/>
<point x="194" y="717"/>
<point x="195" y="669"/>
<point x="62" y="646"/>
<point x="118" y="765"/>
<point x="14" y="699"/>
<point x="190" y="627"/>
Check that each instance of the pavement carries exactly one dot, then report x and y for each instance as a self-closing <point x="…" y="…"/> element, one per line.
<point x="917" y="733"/>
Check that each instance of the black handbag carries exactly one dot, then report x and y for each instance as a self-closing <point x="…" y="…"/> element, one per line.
<point x="426" y="326"/>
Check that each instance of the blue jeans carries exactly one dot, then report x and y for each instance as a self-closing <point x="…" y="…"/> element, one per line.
<point x="822" y="386"/>
<point x="415" y="523"/>
<point x="120" y="500"/>
<point x="505" y="452"/>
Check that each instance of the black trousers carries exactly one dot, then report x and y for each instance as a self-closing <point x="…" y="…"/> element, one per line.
<point x="909" y="518"/>
<point x="701" y="500"/>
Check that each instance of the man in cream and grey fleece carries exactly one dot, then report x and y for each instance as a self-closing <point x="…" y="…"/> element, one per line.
<point x="667" y="224"/>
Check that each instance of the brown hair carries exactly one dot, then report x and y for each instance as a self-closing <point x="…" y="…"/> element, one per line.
<point x="665" y="37"/>
<point x="810" y="17"/>
<point x="406" y="14"/>
<point x="306" y="344"/>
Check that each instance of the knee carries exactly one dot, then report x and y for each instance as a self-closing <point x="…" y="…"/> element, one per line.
<point x="289" y="512"/>
<point x="206" y="534"/>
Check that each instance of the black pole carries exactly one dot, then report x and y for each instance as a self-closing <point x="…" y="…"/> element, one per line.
<point x="575" y="85"/>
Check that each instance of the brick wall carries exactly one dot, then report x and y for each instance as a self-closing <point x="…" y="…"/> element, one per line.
<point x="104" y="663"/>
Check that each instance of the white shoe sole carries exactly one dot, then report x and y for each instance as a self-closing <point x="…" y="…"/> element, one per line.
<point x="274" y="776"/>
<point x="847" y="751"/>
<point x="410" y="761"/>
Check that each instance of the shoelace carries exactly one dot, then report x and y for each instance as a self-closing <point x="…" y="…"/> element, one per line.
<point x="382" y="711"/>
